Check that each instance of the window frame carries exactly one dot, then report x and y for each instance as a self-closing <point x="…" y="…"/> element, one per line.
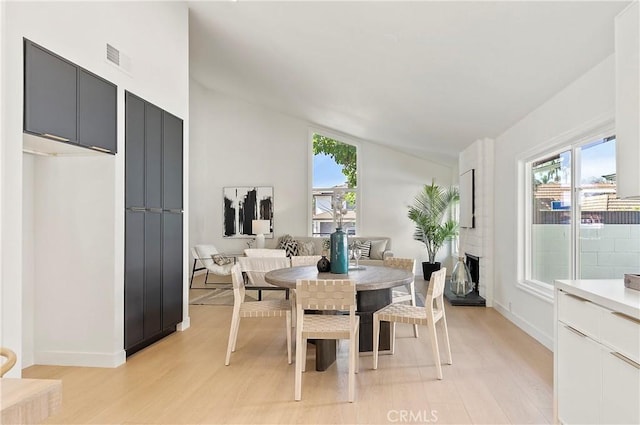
<point x="358" y="189"/>
<point x="571" y="141"/>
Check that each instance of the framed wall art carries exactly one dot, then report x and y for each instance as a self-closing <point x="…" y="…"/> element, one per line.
<point x="243" y="204"/>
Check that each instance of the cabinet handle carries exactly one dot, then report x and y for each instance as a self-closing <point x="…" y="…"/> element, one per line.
<point x="154" y="210"/>
<point x="138" y="209"/>
<point x="98" y="148"/>
<point x="584" y="300"/>
<point x="53" y="136"/>
<point x="175" y="211"/>
<point x="575" y="331"/>
<point x="626" y="317"/>
<point x="625" y="359"/>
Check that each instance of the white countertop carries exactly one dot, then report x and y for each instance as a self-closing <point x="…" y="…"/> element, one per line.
<point x="609" y="293"/>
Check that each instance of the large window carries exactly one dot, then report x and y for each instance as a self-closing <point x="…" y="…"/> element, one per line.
<point x="334" y="186"/>
<point x="577" y="226"/>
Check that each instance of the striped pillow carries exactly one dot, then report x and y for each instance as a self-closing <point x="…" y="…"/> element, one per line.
<point x="365" y="248"/>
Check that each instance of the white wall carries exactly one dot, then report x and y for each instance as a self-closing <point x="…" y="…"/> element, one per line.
<point x="235" y="143"/>
<point x="78" y="281"/>
<point x="586" y="103"/>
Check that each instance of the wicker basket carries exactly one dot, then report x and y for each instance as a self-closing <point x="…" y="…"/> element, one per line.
<point x="632" y="281"/>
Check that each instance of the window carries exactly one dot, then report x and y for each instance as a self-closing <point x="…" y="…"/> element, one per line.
<point x="334" y="189"/>
<point x="577" y="227"/>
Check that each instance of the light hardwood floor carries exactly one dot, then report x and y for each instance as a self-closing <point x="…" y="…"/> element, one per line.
<point x="499" y="375"/>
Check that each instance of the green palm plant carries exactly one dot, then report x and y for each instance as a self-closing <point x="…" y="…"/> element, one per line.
<point x="428" y="213"/>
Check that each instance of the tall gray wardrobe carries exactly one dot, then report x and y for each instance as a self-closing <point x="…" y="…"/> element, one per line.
<point x="153" y="223"/>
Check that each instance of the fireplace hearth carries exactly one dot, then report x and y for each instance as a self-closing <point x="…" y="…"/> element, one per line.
<point x="473" y="299"/>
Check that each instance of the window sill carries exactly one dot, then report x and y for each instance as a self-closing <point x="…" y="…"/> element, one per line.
<point x="541" y="290"/>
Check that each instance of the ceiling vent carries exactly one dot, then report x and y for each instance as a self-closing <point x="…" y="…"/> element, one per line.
<point x="113" y="55"/>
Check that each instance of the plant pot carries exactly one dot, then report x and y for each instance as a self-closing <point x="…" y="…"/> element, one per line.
<point x="428" y="268"/>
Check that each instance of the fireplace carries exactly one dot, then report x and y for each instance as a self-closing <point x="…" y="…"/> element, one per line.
<point x="473" y="299"/>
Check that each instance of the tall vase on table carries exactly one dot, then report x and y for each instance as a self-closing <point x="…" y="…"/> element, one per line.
<point x="339" y="249"/>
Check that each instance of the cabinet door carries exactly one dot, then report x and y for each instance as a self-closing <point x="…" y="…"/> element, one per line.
<point x="134" y="278"/>
<point x="579" y="377"/>
<point x="97" y="122"/>
<point x="171" y="269"/>
<point x="50" y="94"/>
<point x="620" y="389"/>
<point x="171" y="162"/>
<point x="134" y="151"/>
<point x="152" y="274"/>
<point x="153" y="156"/>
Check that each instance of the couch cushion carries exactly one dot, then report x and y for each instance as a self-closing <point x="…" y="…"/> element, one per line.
<point x="290" y="247"/>
<point x="306" y="248"/>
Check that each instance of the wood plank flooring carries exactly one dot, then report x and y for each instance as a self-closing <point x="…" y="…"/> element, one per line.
<point x="499" y="375"/>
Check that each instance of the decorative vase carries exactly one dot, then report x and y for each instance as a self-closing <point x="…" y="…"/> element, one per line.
<point x="339" y="252"/>
<point x="428" y="268"/>
<point x="461" y="284"/>
<point x="324" y="265"/>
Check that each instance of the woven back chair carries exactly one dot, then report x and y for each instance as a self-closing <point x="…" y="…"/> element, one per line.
<point x="255" y="309"/>
<point x="408" y="264"/>
<point x="322" y="296"/>
<point x="429" y="315"/>
<point x="255" y="269"/>
<point x="305" y="260"/>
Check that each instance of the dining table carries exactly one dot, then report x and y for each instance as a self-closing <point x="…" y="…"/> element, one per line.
<point x="373" y="291"/>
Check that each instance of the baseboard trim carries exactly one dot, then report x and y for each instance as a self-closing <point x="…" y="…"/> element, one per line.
<point x="531" y="330"/>
<point x="71" y="358"/>
<point x="184" y="325"/>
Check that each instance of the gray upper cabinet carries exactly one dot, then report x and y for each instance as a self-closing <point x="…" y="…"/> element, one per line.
<point x="64" y="102"/>
<point x="50" y="94"/>
<point x="172" y="162"/>
<point x="97" y="121"/>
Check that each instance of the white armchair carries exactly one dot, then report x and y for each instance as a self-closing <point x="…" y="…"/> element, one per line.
<point x="204" y="254"/>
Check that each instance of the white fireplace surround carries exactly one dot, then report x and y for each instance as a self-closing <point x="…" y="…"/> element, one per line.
<point x="478" y="241"/>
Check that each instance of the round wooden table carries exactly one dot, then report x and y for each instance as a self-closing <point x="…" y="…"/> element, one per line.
<point x="373" y="286"/>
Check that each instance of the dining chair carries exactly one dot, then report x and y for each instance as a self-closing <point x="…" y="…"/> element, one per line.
<point x="255" y="309"/>
<point x="204" y="253"/>
<point x="256" y="267"/>
<point x="399" y="296"/>
<point x="326" y="296"/>
<point x="10" y="357"/>
<point x="305" y="260"/>
<point x="429" y="315"/>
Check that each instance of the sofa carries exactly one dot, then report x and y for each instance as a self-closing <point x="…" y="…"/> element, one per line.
<point x="309" y="245"/>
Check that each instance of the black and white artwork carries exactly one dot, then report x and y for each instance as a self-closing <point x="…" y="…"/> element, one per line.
<point x="244" y="204"/>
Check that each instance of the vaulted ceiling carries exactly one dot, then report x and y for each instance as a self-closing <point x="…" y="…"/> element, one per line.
<point x="427" y="78"/>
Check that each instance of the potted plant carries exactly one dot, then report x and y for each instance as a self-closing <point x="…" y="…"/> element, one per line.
<point x="429" y="213"/>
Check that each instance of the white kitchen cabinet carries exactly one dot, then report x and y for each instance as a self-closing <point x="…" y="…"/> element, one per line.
<point x="627" y="46"/>
<point x="597" y="352"/>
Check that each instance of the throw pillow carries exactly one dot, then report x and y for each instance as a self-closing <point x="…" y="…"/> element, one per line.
<point x="283" y="239"/>
<point x="221" y="260"/>
<point x="377" y="249"/>
<point x="290" y="247"/>
<point x="365" y="248"/>
<point x="306" y="248"/>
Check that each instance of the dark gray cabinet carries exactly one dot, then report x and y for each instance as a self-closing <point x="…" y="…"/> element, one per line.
<point x="153" y="188"/>
<point x="134" y="151"/>
<point x="171" y="269"/>
<point x="67" y="103"/>
<point x="50" y="94"/>
<point x="172" y="162"/>
<point x="97" y="112"/>
<point x="134" y="272"/>
<point x="153" y="156"/>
